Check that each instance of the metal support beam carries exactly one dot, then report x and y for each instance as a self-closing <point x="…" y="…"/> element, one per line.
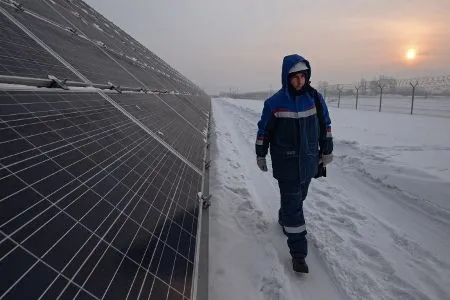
<point x="200" y="290"/>
<point x="50" y="82"/>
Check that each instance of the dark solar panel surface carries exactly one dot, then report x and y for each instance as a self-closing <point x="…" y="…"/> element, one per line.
<point x="44" y="8"/>
<point x="98" y="28"/>
<point x="198" y="103"/>
<point x="89" y="60"/>
<point x="187" y="110"/>
<point x="22" y="56"/>
<point x="168" y="123"/>
<point x="76" y="14"/>
<point x="92" y="206"/>
<point x="144" y="75"/>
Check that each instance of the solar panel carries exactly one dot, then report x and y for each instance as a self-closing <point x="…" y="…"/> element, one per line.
<point x="88" y="59"/>
<point x="98" y="189"/>
<point x="44" y="9"/>
<point x="22" y="56"/>
<point x="196" y="103"/>
<point x="92" y="206"/>
<point x="169" y="122"/>
<point x="97" y="28"/>
<point x="80" y="16"/>
<point x="184" y="108"/>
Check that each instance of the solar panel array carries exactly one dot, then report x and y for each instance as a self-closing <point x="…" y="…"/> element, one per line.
<point x="98" y="188"/>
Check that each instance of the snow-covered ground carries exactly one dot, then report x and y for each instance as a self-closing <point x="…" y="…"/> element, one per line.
<point x="378" y="225"/>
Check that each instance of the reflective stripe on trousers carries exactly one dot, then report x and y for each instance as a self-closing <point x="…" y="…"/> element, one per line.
<point x="295" y="229"/>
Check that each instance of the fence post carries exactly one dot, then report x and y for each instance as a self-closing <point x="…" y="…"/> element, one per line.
<point x="413" y="93"/>
<point x="339" y="88"/>
<point x="381" y="86"/>
<point x="357" y="96"/>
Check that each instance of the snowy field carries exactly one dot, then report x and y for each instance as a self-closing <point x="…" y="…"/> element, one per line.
<point x="431" y="106"/>
<point x="378" y="225"/>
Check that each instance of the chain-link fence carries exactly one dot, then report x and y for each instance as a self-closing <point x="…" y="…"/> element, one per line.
<point x="425" y="95"/>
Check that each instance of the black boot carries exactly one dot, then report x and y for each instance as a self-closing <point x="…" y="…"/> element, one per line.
<point x="299" y="265"/>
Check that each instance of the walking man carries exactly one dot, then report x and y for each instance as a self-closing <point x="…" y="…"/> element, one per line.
<point x="295" y="124"/>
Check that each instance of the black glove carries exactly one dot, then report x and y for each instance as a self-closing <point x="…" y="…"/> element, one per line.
<point x="262" y="164"/>
<point x="321" y="171"/>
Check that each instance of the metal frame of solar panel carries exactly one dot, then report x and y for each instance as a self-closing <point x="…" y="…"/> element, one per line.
<point x="101" y="185"/>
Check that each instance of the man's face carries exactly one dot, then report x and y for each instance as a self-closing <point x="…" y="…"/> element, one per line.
<point x="298" y="81"/>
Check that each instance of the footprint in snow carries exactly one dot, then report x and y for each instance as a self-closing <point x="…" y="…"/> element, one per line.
<point x="416" y="252"/>
<point x="346" y="224"/>
<point x="374" y="258"/>
<point x="242" y="192"/>
<point x="251" y="219"/>
<point x="375" y="261"/>
<point x="324" y="205"/>
<point x="352" y="213"/>
<point x="271" y="288"/>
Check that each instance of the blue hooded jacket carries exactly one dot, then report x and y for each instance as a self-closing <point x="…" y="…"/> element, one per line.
<point x="289" y="125"/>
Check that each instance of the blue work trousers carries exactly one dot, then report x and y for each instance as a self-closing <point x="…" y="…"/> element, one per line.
<point x="290" y="215"/>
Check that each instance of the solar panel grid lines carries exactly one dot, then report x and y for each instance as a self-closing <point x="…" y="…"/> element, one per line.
<point x="46" y="11"/>
<point x="21" y="55"/>
<point x="42" y="44"/>
<point x="37" y="261"/>
<point x="74" y="49"/>
<point x="194" y="106"/>
<point x="100" y="36"/>
<point x="183" y="107"/>
<point x="167" y="124"/>
<point x="43" y="10"/>
<point x="154" y="135"/>
<point x="162" y="80"/>
<point x="25" y="211"/>
<point x="37" y="181"/>
<point x="30" y="268"/>
<point x="55" y="203"/>
<point x="57" y="148"/>
<point x="159" y="238"/>
<point x="63" y="128"/>
<point x="179" y="108"/>
<point x="129" y="66"/>
<point x="165" y="221"/>
<point x="99" y="195"/>
<point x="134" y="278"/>
<point x="40" y="133"/>
<point x="50" y="249"/>
<point x="96" y="34"/>
<point x="39" y="8"/>
<point x="85" y="21"/>
<point x="98" y="261"/>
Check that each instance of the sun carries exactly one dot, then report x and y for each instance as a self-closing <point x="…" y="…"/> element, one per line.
<point x="411" y="54"/>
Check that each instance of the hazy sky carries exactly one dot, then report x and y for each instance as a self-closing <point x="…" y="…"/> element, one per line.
<point x="240" y="44"/>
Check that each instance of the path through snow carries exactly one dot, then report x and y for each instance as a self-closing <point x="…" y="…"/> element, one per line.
<point x="369" y="239"/>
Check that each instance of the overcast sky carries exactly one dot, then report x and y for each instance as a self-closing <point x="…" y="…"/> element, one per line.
<point x="240" y="44"/>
